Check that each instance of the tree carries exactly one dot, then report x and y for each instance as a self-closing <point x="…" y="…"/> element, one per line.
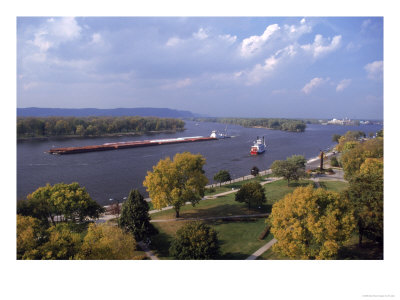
<point x="334" y="162"/>
<point x="380" y="133"/>
<point x="70" y="201"/>
<point x="195" y="240"/>
<point x="30" y="234"/>
<point x="366" y="193"/>
<point x="336" y="137"/>
<point x="107" y="242"/>
<point x="293" y="168"/>
<point x="251" y="193"/>
<point x="222" y="176"/>
<point x="311" y="224"/>
<point x="350" y="136"/>
<point x="135" y="217"/>
<point x="254" y="171"/>
<point x="176" y="182"/>
<point x="353" y="159"/>
<point x="62" y="243"/>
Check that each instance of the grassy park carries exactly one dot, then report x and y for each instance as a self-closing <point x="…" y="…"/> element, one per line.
<point x="229" y="230"/>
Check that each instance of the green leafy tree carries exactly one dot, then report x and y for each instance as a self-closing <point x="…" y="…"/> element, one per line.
<point x="107" y="242"/>
<point x="251" y="193"/>
<point x="135" y="216"/>
<point x="222" y="176"/>
<point x="380" y="133"/>
<point x="195" y="240"/>
<point x="254" y="171"/>
<point x="336" y="137"/>
<point x="174" y="182"/>
<point x="291" y="169"/>
<point x="70" y="201"/>
<point x="366" y="193"/>
<point x="334" y="162"/>
<point x="311" y="224"/>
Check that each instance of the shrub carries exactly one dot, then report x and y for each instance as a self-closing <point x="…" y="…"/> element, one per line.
<point x="334" y="162"/>
<point x="195" y="240"/>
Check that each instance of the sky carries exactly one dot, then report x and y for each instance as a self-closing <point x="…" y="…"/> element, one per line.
<point x="291" y="67"/>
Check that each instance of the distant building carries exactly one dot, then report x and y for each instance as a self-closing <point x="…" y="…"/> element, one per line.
<point x="344" y="121"/>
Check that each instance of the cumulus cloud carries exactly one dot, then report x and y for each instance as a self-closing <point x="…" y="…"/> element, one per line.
<point x="315" y="82"/>
<point x="254" y="43"/>
<point x="343" y="84"/>
<point x="56" y="31"/>
<point x="200" y="35"/>
<point x="374" y="70"/>
<point x="321" y="46"/>
<point x="294" y="32"/>
<point x="173" y="41"/>
<point x="96" y="38"/>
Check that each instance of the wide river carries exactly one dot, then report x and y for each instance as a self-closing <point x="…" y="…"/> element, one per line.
<point x="112" y="174"/>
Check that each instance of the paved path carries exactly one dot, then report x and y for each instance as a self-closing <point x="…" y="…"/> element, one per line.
<point x="147" y="251"/>
<point x="260" y="251"/>
<point x="210" y="218"/>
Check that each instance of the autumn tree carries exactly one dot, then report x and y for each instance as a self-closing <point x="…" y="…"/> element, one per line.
<point x="311" y="224"/>
<point x="366" y="194"/>
<point x="30" y="235"/>
<point x="251" y="193"/>
<point x="291" y="169"/>
<point x="348" y="140"/>
<point x="336" y="137"/>
<point x="352" y="159"/>
<point x="195" y="240"/>
<point x="174" y="182"/>
<point x="62" y="243"/>
<point x="135" y="217"/>
<point x="107" y="242"/>
<point x="222" y="176"/>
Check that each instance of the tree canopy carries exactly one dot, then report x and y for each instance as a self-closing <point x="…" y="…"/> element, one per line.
<point x="366" y="193"/>
<point x="291" y="169"/>
<point x="135" y="217"/>
<point x="85" y="126"/>
<point x="195" y="240"/>
<point x="107" y="242"/>
<point x="70" y="201"/>
<point x="254" y="171"/>
<point x="174" y="182"/>
<point x="251" y="193"/>
<point x="222" y="176"/>
<point x="311" y="224"/>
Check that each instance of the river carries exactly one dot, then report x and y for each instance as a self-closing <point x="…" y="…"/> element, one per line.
<point x="112" y="174"/>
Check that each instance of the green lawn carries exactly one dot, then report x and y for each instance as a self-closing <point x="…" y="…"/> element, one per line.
<point x="238" y="238"/>
<point x="336" y="186"/>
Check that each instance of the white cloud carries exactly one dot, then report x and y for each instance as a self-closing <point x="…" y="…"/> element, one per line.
<point x="254" y="43"/>
<point x="343" y="84"/>
<point x="374" y="70"/>
<point x="200" y="35"/>
<point x="177" y="84"/>
<point x="229" y="38"/>
<point x="322" y="46"/>
<point x="96" y="38"/>
<point x="294" y="32"/>
<point x="173" y="41"/>
<point x="315" y="82"/>
<point x="56" y="31"/>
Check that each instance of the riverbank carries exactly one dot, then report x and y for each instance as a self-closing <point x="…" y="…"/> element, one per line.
<point x="119" y="134"/>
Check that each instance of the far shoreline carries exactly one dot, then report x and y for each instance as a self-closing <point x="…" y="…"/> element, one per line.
<point x="119" y="134"/>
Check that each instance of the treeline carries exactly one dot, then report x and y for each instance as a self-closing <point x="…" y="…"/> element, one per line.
<point x="277" y="124"/>
<point x="92" y="126"/>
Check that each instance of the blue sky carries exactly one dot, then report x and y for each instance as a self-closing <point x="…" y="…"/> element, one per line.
<point x="218" y="66"/>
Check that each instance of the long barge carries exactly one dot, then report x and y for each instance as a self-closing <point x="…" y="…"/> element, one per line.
<point x="131" y="144"/>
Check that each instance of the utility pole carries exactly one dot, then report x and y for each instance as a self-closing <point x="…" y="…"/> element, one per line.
<point x="321" y="165"/>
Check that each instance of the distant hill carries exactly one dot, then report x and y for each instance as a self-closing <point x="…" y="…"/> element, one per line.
<point x="86" y="112"/>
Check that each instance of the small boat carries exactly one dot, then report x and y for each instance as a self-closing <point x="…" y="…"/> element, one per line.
<point x="258" y="147"/>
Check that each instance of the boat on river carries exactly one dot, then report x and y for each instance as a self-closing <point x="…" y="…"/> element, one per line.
<point x="258" y="147"/>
